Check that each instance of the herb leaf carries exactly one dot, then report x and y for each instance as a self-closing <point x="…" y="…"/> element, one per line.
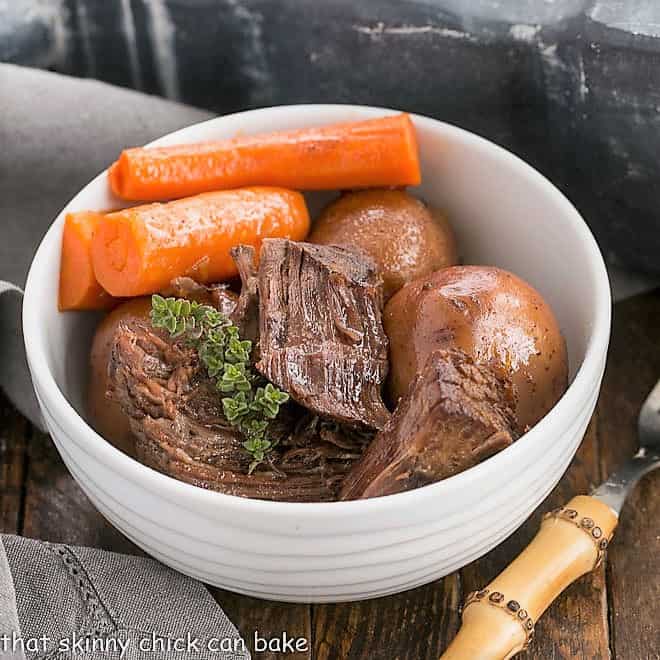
<point x="254" y="402"/>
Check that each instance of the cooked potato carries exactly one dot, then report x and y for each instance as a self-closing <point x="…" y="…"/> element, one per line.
<point x="492" y="315"/>
<point x="399" y="232"/>
<point x="106" y="415"/>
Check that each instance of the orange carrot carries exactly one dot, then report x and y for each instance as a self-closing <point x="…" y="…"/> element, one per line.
<point x="363" y="154"/>
<point x="79" y="288"/>
<point x="140" y="250"/>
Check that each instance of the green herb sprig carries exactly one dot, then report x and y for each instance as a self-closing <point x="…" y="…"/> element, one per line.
<point x="250" y="402"/>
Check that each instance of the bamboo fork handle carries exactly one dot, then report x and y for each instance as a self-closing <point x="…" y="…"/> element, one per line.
<point x="498" y="621"/>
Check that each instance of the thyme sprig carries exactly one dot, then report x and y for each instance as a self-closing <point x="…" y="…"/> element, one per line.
<point x="250" y="402"/>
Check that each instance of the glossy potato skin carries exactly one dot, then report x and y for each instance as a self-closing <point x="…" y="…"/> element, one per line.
<point x="106" y="415"/>
<point x="400" y="233"/>
<point x="493" y="316"/>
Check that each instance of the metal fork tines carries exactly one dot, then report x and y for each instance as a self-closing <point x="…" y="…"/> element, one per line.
<point x="613" y="492"/>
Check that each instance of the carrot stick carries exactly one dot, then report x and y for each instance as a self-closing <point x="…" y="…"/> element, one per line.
<point x="140" y="250"/>
<point x="79" y="288"/>
<point x="363" y="154"/>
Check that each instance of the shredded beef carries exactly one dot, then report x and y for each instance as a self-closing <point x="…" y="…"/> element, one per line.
<point x="219" y="296"/>
<point x="313" y="314"/>
<point x="321" y="337"/>
<point x="245" y="316"/>
<point x="455" y="415"/>
<point x="176" y="417"/>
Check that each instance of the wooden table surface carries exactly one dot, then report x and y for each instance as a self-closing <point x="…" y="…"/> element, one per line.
<point x="614" y="612"/>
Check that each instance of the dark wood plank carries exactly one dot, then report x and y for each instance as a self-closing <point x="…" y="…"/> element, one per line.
<point x="634" y="558"/>
<point x="575" y="625"/>
<point x="414" y="625"/>
<point x="270" y="620"/>
<point x="57" y="510"/>
<point x="13" y="441"/>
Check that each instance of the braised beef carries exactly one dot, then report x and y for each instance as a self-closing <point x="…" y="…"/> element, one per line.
<point x="177" y="419"/>
<point x="455" y="415"/>
<point x="313" y="314"/>
<point x="321" y="336"/>
<point x="219" y="296"/>
<point x="246" y="314"/>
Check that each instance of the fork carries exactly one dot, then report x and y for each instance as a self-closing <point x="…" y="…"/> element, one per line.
<point x="498" y="620"/>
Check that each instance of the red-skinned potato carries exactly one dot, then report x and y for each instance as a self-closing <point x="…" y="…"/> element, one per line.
<point x="493" y="316"/>
<point x="405" y="238"/>
<point x="106" y="415"/>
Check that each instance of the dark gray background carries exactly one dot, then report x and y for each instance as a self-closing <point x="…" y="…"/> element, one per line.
<point x="573" y="86"/>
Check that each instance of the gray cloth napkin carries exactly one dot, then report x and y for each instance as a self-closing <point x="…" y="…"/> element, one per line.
<point x="9" y="624"/>
<point x="56" y="134"/>
<point x="60" y="602"/>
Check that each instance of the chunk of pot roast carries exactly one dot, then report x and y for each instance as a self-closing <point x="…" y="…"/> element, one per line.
<point x="456" y="414"/>
<point x="321" y="338"/>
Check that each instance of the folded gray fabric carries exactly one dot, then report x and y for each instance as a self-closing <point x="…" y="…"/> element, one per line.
<point x="8" y="611"/>
<point x="82" y="603"/>
<point x="56" y="134"/>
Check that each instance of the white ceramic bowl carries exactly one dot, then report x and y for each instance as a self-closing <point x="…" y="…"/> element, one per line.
<point x="505" y="214"/>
